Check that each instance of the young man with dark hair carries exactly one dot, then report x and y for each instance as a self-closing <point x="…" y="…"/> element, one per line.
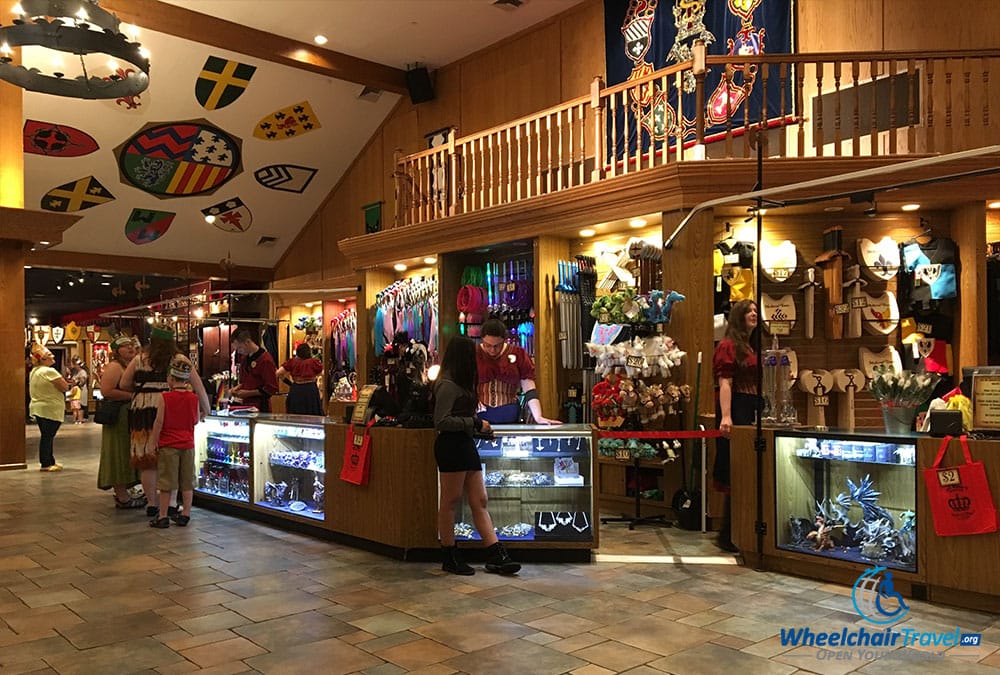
<point x="258" y="379"/>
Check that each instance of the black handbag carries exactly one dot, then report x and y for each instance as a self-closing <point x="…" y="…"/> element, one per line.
<point x="107" y="411"/>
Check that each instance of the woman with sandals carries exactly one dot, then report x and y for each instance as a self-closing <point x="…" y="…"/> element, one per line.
<point x="115" y="472"/>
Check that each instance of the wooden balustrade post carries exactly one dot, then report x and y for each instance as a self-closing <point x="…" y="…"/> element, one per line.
<point x="599" y="132"/>
<point x="929" y="97"/>
<point x="397" y="177"/>
<point x="453" y="172"/>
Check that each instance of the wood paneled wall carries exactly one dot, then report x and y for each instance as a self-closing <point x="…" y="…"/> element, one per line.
<point x="896" y="25"/>
<point x="553" y="62"/>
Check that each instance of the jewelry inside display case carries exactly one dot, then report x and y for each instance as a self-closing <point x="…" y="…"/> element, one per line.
<point x="538" y="483"/>
<point x="222" y="457"/>
<point x="290" y="466"/>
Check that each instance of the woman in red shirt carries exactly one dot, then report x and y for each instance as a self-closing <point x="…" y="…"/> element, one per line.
<point x="303" y="392"/>
<point x="735" y="369"/>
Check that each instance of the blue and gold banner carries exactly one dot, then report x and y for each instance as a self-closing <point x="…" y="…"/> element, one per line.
<point x="642" y="36"/>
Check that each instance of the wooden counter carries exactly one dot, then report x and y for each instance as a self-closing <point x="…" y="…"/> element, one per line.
<point x="398" y="507"/>
<point x="951" y="570"/>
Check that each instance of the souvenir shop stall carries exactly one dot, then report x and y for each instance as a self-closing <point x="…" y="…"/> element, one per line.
<point x="863" y="351"/>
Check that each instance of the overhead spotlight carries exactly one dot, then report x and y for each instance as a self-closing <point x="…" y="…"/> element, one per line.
<point x="588" y="232"/>
<point x="993" y="205"/>
<point x="399" y="267"/>
<point x="910" y="207"/>
<point x="71" y="282"/>
<point x="33" y="320"/>
<point x="320" y="40"/>
<point x="430" y="260"/>
<point x="871" y="211"/>
<point x="209" y="219"/>
<point x="637" y="222"/>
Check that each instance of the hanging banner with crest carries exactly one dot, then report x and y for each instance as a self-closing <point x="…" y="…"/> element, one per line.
<point x="642" y="36"/>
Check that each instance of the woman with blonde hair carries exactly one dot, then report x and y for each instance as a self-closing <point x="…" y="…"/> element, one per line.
<point x="115" y="472"/>
<point x="48" y="403"/>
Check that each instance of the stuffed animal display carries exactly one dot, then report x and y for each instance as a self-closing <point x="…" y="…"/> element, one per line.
<point x="652" y="357"/>
<point x="626" y="307"/>
<point x="615" y="397"/>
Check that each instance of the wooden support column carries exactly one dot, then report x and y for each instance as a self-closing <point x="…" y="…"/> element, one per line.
<point x="968" y="229"/>
<point x="372" y="281"/>
<point x="687" y="269"/>
<point x="548" y="251"/>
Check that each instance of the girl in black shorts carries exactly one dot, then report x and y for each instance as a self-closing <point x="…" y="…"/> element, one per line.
<point x="455" y="404"/>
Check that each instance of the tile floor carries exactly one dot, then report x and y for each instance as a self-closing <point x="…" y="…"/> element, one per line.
<point x="88" y="589"/>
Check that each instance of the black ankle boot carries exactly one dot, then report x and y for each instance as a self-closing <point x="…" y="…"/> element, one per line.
<point x="498" y="562"/>
<point x="452" y="562"/>
<point x="725" y="540"/>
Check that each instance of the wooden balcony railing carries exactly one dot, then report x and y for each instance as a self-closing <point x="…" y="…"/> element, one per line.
<point x="816" y="105"/>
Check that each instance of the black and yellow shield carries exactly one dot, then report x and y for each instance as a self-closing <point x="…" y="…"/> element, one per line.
<point x="221" y="82"/>
<point x="76" y="195"/>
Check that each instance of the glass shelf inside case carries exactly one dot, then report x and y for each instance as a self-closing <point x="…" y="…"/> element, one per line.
<point x="538" y="485"/>
<point x="848" y="496"/>
<point x="222" y="458"/>
<point x="290" y="468"/>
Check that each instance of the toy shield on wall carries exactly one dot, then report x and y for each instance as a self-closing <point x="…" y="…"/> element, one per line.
<point x="58" y="333"/>
<point x="845" y="378"/>
<point x="888" y="358"/>
<point x="816" y="381"/>
<point x="72" y="331"/>
<point x="778" y="314"/>
<point x="881" y="315"/>
<point x="778" y="261"/>
<point x="878" y="260"/>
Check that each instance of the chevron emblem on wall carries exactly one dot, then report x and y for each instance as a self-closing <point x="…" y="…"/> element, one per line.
<point x="286" y="177"/>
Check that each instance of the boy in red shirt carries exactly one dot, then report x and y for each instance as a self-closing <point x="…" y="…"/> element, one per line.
<point x="174" y="426"/>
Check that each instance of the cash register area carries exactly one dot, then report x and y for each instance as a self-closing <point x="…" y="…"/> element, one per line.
<point x="86" y="588"/>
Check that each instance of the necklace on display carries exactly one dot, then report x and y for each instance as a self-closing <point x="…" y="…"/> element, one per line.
<point x="586" y="522"/>
<point x="547" y="527"/>
<point x="564" y="520"/>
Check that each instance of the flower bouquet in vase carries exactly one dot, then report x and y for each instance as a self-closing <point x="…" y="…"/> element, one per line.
<point x="900" y="394"/>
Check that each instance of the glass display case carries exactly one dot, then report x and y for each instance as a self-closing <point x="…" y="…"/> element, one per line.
<point x="850" y="496"/>
<point x="538" y="480"/>
<point x="222" y="457"/>
<point x="290" y="464"/>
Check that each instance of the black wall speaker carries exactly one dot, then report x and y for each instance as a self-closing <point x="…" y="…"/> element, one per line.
<point x="418" y="81"/>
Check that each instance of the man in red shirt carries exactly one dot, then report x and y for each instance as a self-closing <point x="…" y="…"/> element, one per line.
<point x="258" y="379"/>
<point x="504" y="370"/>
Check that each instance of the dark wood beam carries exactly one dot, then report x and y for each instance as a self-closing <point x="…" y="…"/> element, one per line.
<point x="99" y="262"/>
<point x="210" y="30"/>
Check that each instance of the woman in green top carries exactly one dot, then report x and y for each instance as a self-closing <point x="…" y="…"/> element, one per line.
<point x="48" y="403"/>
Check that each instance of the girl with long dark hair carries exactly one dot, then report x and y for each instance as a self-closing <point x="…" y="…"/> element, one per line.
<point x="459" y="466"/>
<point x="734" y="366"/>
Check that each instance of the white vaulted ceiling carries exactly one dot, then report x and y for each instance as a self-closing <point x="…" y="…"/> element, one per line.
<point x="390" y="32"/>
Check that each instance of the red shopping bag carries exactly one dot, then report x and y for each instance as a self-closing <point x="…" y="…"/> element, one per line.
<point x="357" y="455"/>
<point x="960" y="497"/>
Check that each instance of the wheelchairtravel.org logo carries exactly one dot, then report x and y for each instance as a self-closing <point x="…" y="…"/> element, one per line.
<point x="877" y="602"/>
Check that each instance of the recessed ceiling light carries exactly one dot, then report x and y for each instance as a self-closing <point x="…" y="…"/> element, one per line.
<point x="399" y="267"/>
<point x="833" y="209"/>
<point x="27" y="267"/>
<point x="910" y="207"/>
<point x="637" y="222"/>
<point x="993" y="205"/>
<point x="320" y="40"/>
<point x="44" y="243"/>
<point x="588" y="232"/>
<point x="209" y="219"/>
<point x="430" y="260"/>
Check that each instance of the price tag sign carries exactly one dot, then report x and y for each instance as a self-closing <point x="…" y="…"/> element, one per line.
<point x="731" y="259"/>
<point x="511" y="287"/>
<point x="604" y="317"/>
<point x="821" y="401"/>
<point x="781" y="273"/>
<point x="634" y="361"/>
<point x="859" y="303"/>
<point x="841" y="309"/>
<point x="779" y="328"/>
<point x="563" y="336"/>
<point x="948" y="477"/>
<point x="360" y="414"/>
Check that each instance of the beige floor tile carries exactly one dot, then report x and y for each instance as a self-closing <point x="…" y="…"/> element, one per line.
<point x="657" y="635"/>
<point x="516" y="656"/>
<point x="417" y="654"/>
<point x="615" y="656"/>
<point x="186" y="641"/>
<point x="234" y="649"/>
<point x="387" y="622"/>
<point x="273" y="605"/>
<point x="473" y="631"/>
<point x="564" y="625"/>
<point x="335" y="655"/>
